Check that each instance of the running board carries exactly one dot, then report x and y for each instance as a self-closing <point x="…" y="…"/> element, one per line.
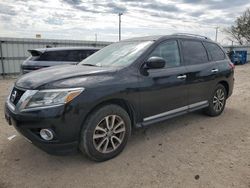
<point x="173" y="113"/>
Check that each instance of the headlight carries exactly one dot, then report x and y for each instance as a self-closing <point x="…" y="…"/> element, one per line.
<point x="50" y="97"/>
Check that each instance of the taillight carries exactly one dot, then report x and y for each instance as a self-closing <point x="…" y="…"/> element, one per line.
<point x="232" y="65"/>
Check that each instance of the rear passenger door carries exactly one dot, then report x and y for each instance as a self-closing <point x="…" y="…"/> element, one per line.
<point x="200" y="72"/>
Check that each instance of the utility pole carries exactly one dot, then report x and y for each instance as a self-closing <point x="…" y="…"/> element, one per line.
<point x="95" y="37"/>
<point x="216" y="34"/>
<point x="1" y="56"/>
<point x="120" y="14"/>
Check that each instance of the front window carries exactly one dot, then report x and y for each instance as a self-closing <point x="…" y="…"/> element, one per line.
<point x="169" y="51"/>
<point x="118" y="54"/>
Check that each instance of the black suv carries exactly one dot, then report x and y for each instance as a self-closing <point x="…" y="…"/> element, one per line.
<point x="47" y="57"/>
<point x="94" y="105"/>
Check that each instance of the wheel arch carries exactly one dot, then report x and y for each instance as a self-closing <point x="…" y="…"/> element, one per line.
<point x="226" y="85"/>
<point x="117" y="101"/>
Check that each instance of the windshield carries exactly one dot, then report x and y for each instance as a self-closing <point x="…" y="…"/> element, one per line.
<point x="118" y="54"/>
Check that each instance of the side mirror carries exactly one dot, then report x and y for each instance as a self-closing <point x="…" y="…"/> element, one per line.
<point x="155" y="63"/>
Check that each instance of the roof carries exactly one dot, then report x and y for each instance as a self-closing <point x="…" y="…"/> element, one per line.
<point x="177" y="35"/>
<point x="146" y="38"/>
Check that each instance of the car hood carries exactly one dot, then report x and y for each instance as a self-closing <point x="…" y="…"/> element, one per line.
<point x="38" y="78"/>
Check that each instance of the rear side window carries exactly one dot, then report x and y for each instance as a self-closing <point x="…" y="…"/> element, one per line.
<point x="169" y="51"/>
<point x="193" y="52"/>
<point x="65" y="55"/>
<point x="55" y="56"/>
<point x="214" y="51"/>
<point x="72" y="55"/>
<point x="85" y="53"/>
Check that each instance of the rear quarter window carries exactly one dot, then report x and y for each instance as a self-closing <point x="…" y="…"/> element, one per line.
<point x="193" y="52"/>
<point x="214" y="51"/>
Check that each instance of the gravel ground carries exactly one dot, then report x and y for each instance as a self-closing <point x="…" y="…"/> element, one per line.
<point x="189" y="151"/>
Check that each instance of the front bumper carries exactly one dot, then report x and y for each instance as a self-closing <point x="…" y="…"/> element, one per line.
<point x="62" y="120"/>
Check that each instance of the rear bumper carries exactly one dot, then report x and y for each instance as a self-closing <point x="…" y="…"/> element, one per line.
<point x="25" y="71"/>
<point x="230" y="92"/>
<point x="231" y="86"/>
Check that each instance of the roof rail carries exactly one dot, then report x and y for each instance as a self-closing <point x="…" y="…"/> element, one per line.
<point x="192" y="35"/>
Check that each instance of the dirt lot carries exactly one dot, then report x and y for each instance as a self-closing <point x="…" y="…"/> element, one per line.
<point x="189" y="151"/>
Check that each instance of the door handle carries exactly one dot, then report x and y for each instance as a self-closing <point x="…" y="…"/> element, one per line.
<point x="214" y="70"/>
<point x="183" y="76"/>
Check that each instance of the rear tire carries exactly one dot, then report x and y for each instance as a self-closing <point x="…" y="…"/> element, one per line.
<point x="105" y="133"/>
<point x="217" y="101"/>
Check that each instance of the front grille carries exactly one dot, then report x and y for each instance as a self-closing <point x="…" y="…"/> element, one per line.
<point x="15" y="95"/>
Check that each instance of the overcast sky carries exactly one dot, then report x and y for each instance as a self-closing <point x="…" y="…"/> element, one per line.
<point x="82" y="19"/>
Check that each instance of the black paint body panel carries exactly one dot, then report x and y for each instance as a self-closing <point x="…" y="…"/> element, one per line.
<point x="145" y="92"/>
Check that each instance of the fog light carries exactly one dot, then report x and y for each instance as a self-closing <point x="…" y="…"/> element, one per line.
<point x="47" y="134"/>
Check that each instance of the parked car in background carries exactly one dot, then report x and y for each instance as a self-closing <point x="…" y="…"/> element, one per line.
<point x="95" y="105"/>
<point x="47" y="57"/>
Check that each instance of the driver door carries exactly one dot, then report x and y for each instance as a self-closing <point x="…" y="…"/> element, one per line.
<point x="164" y="91"/>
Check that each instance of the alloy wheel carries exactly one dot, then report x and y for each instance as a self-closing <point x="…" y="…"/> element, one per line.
<point x="219" y="100"/>
<point x="109" y="134"/>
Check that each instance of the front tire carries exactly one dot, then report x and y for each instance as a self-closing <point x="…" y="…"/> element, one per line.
<point x="105" y="133"/>
<point x="217" y="101"/>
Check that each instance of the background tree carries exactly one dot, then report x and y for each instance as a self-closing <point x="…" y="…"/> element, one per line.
<point x="240" y="31"/>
